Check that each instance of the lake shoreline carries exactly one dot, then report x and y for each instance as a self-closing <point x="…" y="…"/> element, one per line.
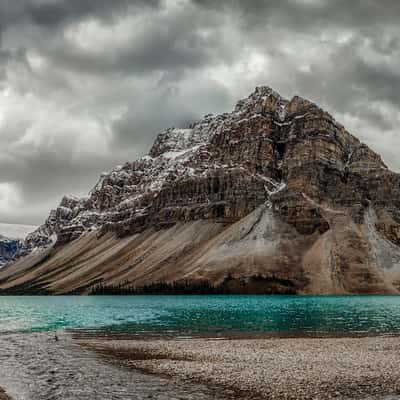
<point x="280" y="368"/>
<point x="114" y="335"/>
<point x="37" y="366"/>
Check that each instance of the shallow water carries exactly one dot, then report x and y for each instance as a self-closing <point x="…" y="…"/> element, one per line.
<point x="203" y="314"/>
<point x="35" y="367"/>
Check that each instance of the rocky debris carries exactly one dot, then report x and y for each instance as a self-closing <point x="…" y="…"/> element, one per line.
<point x="270" y="368"/>
<point x="288" y="155"/>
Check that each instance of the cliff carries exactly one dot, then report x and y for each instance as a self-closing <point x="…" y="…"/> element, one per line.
<point x="275" y="197"/>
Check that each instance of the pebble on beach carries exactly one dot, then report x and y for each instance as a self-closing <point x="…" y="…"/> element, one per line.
<point x="291" y="368"/>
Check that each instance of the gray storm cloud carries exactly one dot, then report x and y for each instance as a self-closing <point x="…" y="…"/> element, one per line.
<point x="85" y="84"/>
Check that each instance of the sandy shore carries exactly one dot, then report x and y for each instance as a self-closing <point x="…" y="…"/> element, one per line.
<point x="286" y="368"/>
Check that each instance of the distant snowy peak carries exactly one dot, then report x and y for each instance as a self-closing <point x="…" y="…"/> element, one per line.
<point x="12" y="239"/>
<point x="16" y="231"/>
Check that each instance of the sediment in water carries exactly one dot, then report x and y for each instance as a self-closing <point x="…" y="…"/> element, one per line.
<point x="36" y="366"/>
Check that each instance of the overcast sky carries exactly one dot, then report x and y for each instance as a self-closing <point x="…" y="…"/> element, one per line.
<point x="87" y="84"/>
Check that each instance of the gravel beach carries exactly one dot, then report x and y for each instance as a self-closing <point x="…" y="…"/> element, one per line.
<point x="273" y="368"/>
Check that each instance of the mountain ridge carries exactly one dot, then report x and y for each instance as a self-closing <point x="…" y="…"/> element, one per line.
<point x="12" y="238"/>
<point x="331" y="202"/>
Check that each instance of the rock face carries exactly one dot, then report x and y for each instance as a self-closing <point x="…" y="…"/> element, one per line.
<point x="273" y="197"/>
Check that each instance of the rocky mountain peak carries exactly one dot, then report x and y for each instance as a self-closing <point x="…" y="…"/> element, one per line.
<point x="266" y="101"/>
<point x="288" y="156"/>
<point x="262" y="100"/>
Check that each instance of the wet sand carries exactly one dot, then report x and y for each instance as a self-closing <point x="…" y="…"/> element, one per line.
<point x="273" y="368"/>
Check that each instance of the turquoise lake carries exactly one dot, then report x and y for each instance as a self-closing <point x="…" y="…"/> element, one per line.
<point x="203" y="314"/>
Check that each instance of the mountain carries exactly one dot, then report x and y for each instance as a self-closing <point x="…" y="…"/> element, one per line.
<point x="274" y="197"/>
<point x="12" y="243"/>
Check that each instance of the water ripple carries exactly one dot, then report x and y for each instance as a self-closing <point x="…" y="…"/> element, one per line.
<point x="36" y="367"/>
